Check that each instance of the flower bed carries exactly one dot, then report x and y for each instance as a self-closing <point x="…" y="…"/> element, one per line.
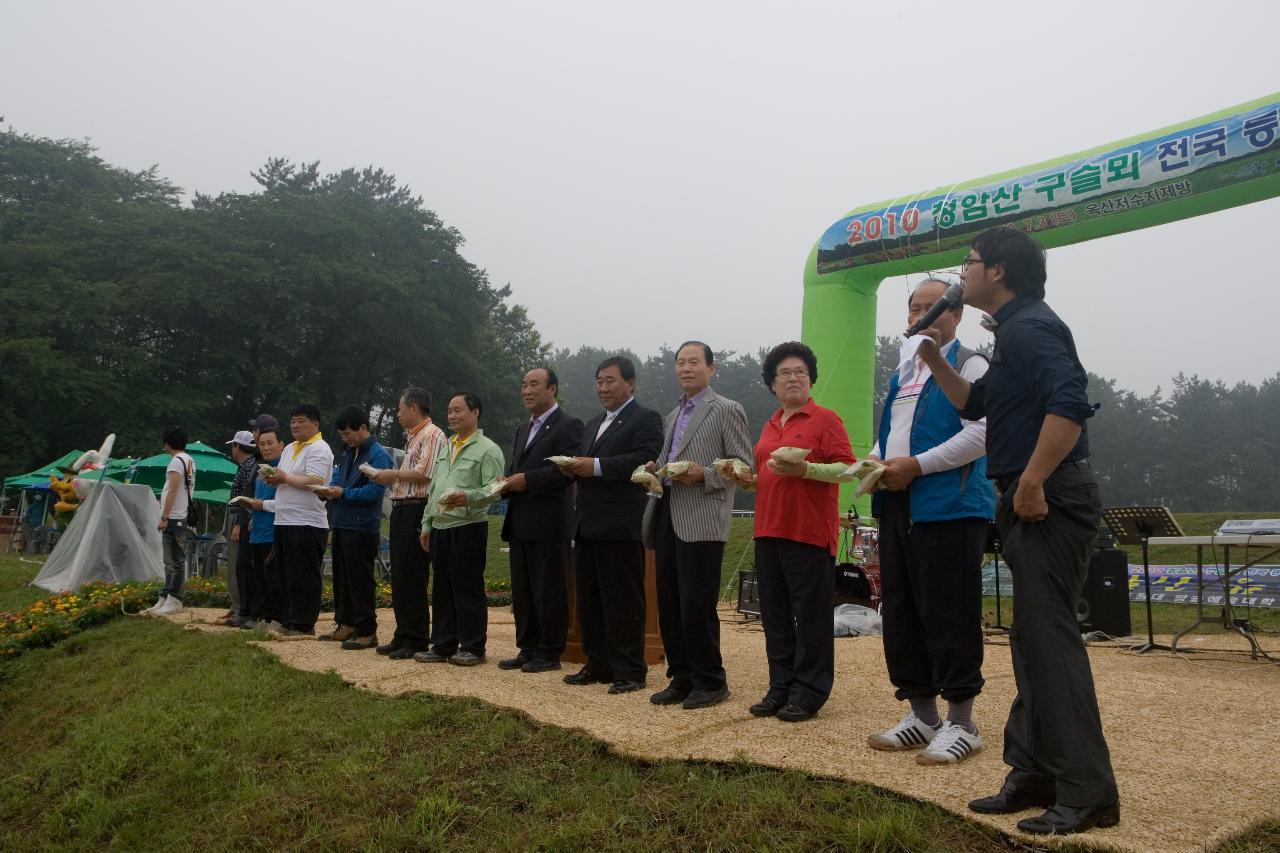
<point x="57" y="617"/>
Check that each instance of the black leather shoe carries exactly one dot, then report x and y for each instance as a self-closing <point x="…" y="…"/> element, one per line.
<point x="767" y="707"/>
<point x="388" y="648"/>
<point x="1062" y="820"/>
<point x="513" y="663"/>
<point x="585" y="676"/>
<point x="672" y="694"/>
<point x="625" y="687"/>
<point x="705" y="698"/>
<point x="1012" y="799"/>
<point x="402" y="653"/>
<point x="794" y="713"/>
<point x="540" y="665"/>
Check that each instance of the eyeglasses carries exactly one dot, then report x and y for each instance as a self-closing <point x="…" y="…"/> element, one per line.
<point x="798" y="373"/>
<point x="964" y="265"/>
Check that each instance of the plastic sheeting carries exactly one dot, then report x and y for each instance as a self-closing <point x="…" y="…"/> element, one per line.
<point x="112" y="538"/>
<point x="854" y="620"/>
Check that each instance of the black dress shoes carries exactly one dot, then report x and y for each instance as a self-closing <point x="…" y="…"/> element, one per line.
<point x="625" y="687"/>
<point x="1012" y="799"/>
<point x="794" y="713"/>
<point x="705" y="698"/>
<point x="767" y="707"/>
<point x="672" y="694"/>
<point x="1062" y="820"/>
<point x="388" y="648"/>
<point x="585" y="676"/>
<point x="513" y="663"/>
<point x="540" y="665"/>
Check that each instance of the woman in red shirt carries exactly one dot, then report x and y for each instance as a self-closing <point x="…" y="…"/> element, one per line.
<point x="795" y="533"/>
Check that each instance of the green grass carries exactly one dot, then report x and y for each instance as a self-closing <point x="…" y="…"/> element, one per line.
<point x="139" y="735"/>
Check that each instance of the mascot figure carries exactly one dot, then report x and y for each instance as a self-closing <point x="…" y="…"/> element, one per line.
<point x="71" y="490"/>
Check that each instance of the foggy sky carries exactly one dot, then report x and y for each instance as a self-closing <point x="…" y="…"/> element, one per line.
<point x="646" y="173"/>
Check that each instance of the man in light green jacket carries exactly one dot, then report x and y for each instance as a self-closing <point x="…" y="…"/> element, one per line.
<point x="456" y="534"/>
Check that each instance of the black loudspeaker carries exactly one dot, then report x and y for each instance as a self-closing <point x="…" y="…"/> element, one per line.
<point x="1104" y="602"/>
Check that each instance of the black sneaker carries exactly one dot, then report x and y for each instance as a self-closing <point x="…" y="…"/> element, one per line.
<point x="428" y="656"/>
<point x="672" y="694"/>
<point x="387" y="649"/>
<point x="705" y="698"/>
<point x="539" y="665"/>
<point x="466" y="659"/>
<point x="795" y="713"/>
<point x="516" y="662"/>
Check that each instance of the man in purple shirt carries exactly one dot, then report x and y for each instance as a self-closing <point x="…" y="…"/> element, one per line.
<point x="688" y="526"/>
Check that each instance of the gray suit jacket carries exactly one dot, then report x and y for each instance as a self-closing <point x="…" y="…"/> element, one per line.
<point x="701" y="512"/>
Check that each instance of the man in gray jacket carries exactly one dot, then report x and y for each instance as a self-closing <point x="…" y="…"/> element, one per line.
<point x="688" y="526"/>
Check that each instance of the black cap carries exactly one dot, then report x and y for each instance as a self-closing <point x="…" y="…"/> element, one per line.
<point x="262" y="422"/>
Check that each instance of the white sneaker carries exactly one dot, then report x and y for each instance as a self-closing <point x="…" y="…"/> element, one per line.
<point x="159" y="603"/>
<point x="951" y="745"/>
<point x="911" y="733"/>
<point x="171" y="605"/>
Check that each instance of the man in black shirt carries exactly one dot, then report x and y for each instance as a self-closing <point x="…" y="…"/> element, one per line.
<point x="1034" y="399"/>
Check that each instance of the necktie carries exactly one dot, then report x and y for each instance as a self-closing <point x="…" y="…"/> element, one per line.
<point x="533" y="432"/>
<point x="604" y="424"/>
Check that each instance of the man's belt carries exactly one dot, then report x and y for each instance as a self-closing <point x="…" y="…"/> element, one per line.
<point x="1003" y="483"/>
<point x="407" y="501"/>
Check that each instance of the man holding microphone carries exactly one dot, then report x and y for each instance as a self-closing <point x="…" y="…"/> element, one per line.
<point x="1036" y="407"/>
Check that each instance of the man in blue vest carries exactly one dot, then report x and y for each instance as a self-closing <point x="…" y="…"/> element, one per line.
<point x="934" y="507"/>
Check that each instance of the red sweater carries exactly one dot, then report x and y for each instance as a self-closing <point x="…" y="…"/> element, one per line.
<point x="793" y="507"/>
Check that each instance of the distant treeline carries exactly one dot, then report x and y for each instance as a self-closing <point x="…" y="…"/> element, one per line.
<point x="124" y="310"/>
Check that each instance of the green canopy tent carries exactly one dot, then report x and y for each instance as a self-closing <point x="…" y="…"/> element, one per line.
<point x="214" y="472"/>
<point x="39" y="478"/>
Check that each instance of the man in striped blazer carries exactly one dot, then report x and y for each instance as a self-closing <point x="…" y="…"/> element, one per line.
<point x="688" y="527"/>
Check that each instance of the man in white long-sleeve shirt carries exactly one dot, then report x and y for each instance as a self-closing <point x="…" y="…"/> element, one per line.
<point x="934" y="509"/>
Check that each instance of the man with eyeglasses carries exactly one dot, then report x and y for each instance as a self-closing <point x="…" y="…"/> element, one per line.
<point x="1036" y="407"/>
<point x="934" y="507"/>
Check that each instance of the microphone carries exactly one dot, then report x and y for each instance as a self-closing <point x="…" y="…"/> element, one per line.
<point x="950" y="299"/>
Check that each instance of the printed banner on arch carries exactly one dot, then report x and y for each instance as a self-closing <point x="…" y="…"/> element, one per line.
<point x="1135" y="176"/>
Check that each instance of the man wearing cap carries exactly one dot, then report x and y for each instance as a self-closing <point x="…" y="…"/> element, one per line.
<point x="244" y="452"/>
<point x="261" y="422"/>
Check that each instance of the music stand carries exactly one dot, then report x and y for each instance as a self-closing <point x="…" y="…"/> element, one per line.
<point x="1134" y="525"/>
<point x="993" y="548"/>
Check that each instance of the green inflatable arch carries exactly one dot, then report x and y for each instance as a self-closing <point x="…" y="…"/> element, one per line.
<point x="1206" y="164"/>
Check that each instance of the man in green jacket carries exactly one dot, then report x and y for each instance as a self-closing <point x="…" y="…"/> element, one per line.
<point x="456" y="533"/>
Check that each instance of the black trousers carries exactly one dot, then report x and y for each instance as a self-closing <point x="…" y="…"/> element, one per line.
<point x="458" y="606"/>
<point x="796" y="584"/>
<point x="540" y="597"/>
<point x="1054" y="732"/>
<point x="688" y="579"/>
<point x="610" y="587"/>
<point x="354" y="587"/>
<point x="931" y="581"/>
<point x="410" y="568"/>
<point x="300" y="552"/>
<point x="266" y="594"/>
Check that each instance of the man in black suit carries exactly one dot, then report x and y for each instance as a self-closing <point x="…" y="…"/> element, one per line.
<point x="609" y="554"/>
<point x="538" y="524"/>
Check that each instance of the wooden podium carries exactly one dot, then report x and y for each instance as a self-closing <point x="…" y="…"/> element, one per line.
<point x="653" y="652"/>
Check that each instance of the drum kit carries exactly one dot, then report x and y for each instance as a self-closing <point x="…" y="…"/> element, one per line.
<point x="857" y="578"/>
